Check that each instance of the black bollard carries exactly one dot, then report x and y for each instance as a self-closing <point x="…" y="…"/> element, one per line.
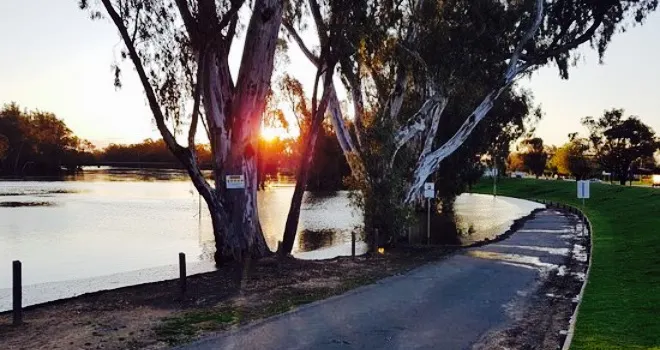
<point x="182" y="273"/>
<point x="17" y="310"/>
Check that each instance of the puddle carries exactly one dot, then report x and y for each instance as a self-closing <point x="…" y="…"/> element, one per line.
<point x="561" y="271"/>
<point x="553" y="251"/>
<point x="581" y="276"/>
<point x="580" y="253"/>
<point x="529" y="261"/>
<point x="25" y="204"/>
<point x="35" y="192"/>
<point x="533" y="230"/>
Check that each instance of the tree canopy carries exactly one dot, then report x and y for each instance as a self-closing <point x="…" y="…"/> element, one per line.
<point x="37" y="143"/>
<point x="619" y="141"/>
<point x="409" y="67"/>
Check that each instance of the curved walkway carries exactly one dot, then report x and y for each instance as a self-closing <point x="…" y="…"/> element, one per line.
<point x="450" y="304"/>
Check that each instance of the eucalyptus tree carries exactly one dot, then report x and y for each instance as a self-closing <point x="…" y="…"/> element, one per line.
<point x="407" y="60"/>
<point x="180" y="51"/>
<point x="620" y="142"/>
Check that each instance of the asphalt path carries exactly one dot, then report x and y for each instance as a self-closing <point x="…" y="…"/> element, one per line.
<point x="449" y="304"/>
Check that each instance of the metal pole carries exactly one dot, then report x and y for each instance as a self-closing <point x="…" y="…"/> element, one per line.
<point x="428" y="221"/>
<point x="17" y="293"/>
<point x="182" y="273"/>
<point x="376" y="241"/>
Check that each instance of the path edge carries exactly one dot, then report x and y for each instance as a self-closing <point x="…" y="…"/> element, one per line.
<point x="570" y="333"/>
<point x="515" y="226"/>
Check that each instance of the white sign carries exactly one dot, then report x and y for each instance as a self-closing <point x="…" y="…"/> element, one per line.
<point x="235" y="182"/>
<point x="429" y="190"/>
<point x="583" y="189"/>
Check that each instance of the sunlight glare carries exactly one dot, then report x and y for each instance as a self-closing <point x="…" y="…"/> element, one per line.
<point x="270" y="134"/>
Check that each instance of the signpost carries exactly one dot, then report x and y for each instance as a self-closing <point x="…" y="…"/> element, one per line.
<point x="429" y="192"/>
<point x="583" y="191"/>
<point x="235" y="182"/>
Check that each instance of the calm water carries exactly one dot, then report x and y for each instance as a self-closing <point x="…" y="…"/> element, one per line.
<point x="112" y="228"/>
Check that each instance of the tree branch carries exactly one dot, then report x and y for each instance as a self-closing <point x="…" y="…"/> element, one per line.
<point x="197" y="97"/>
<point x="188" y="20"/>
<point x="318" y="20"/>
<point x="417" y="123"/>
<point x="301" y="44"/>
<point x="137" y="23"/>
<point x="231" y="32"/>
<point x="229" y="16"/>
<point x="181" y="153"/>
<point x="436" y="114"/>
<point x="586" y="36"/>
<point x="355" y="87"/>
<point x="513" y="68"/>
<point x="429" y="163"/>
<point x="395" y="101"/>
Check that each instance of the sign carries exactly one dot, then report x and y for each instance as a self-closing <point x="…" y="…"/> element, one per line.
<point x="235" y="182"/>
<point x="429" y="190"/>
<point x="583" y="189"/>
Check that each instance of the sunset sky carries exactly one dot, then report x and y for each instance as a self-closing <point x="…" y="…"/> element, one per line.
<point x="54" y="58"/>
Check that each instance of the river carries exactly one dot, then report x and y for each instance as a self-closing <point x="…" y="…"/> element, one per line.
<point x="109" y="228"/>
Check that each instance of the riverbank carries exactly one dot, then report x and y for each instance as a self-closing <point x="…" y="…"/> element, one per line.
<point x="153" y="316"/>
<point x="622" y="298"/>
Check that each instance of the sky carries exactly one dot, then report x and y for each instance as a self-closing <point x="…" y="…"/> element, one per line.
<point x="54" y="58"/>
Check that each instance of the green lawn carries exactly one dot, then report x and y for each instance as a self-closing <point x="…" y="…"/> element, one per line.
<point x="621" y="307"/>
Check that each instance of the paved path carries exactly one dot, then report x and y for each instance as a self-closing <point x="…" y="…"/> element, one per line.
<point x="445" y="305"/>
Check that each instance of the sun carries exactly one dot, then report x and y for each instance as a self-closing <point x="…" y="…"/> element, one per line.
<point x="270" y="134"/>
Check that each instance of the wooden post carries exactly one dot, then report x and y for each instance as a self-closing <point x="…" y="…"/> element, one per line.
<point x="17" y="293"/>
<point x="182" y="273"/>
<point x="353" y="244"/>
<point x="376" y="241"/>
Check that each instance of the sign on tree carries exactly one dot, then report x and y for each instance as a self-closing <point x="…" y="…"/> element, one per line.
<point x="235" y="182"/>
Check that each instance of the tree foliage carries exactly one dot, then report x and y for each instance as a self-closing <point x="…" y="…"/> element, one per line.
<point x="573" y="159"/>
<point x="407" y="64"/>
<point x="534" y="155"/>
<point x="618" y="141"/>
<point x="38" y="143"/>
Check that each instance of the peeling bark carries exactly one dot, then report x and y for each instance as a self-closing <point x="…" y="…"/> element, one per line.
<point x="233" y="114"/>
<point x="430" y="162"/>
<point x="418" y="122"/>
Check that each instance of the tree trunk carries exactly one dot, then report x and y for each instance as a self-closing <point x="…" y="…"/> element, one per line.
<point x="302" y="175"/>
<point x="243" y="236"/>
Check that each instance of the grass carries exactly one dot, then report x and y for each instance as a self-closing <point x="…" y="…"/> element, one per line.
<point x="621" y="306"/>
<point x="185" y="327"/>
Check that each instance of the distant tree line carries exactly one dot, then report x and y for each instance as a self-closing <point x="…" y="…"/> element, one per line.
<point x="616" y="145"/>
<point x="38" y="143"/>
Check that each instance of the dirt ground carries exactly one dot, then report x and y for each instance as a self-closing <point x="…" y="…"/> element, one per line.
<point x="155" y="316"/>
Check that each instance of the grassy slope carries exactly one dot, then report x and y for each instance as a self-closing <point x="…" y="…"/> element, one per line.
<point x="621" y="307"/>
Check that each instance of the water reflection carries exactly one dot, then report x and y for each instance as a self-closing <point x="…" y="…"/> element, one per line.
<point x="313" y="240"/>
<point x="475" y="218"/>
<point x="25" y="204"/>
<point x="107" y="221"/>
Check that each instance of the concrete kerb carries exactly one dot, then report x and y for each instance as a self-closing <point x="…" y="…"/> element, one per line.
<point x="573" y="320"/>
